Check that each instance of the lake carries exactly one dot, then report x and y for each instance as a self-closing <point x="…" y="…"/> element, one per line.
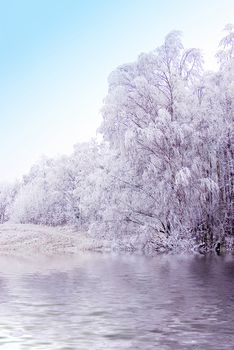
<point x="97" y="301"/>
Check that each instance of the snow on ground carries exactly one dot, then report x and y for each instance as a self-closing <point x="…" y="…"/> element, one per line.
<point x="32" y="239"/>
<point x="28" y="239"/>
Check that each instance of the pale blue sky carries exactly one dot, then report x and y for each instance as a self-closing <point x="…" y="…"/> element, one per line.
<point x="56" y="56"/>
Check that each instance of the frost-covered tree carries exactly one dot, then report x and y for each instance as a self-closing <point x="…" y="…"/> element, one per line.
<point x="148" y="117"/>
<point x="39" y="200"/>
<point x="163" y="176"/>
<point x="7" y="196"/>
<point x="60" y="191"/>
<point x="163" y="117"/>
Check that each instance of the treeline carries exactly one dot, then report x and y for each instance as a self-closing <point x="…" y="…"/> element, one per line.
<point x="163" y="176"/>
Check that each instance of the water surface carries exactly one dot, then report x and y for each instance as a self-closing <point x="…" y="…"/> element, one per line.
<point x="97" y="301"/>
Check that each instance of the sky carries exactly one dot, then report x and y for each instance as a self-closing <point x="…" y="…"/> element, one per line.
<point x="56" y="56"/>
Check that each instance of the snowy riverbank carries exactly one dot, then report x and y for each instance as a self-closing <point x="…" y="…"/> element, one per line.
<point x="28" y="239"/>
<point x="32" y="239"/>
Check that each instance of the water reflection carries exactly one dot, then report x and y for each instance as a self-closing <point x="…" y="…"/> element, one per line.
<point x="117" y="302"/>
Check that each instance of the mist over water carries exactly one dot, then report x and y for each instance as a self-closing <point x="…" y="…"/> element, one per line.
<point x="96" y="301"/>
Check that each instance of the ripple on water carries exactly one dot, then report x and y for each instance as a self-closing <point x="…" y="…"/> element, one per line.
<point x="118" y="302"/>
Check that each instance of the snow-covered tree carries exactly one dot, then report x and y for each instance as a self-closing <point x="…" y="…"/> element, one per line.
<point x="163" y="175"/>
<point x="7" y="196"/>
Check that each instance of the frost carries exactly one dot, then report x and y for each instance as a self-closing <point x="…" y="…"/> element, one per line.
<point x="209" y="184"/>
<point x="162" y="179"/>
<point x="183" y="177"/>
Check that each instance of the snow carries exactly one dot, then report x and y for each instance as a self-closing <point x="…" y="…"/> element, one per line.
<point x="31" y="239"/>
<point x="162" y="177"/>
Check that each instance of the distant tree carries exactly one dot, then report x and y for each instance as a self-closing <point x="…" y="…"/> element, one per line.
<point x="7" y="196"/>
